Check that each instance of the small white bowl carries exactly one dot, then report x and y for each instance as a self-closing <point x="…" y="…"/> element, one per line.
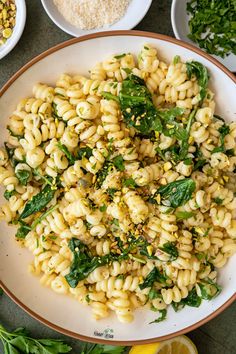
<point x="17" y="30"/>
<point x="135" y="12"/>
<point x="179" y="20"/>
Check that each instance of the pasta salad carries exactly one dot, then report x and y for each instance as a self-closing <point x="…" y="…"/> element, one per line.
<point x="122" y="185"/>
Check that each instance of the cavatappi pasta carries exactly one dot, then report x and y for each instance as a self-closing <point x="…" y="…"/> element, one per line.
<point x="122" y="185"/>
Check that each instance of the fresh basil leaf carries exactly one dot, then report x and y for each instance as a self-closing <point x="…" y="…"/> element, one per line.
<point x="38" y="202"/>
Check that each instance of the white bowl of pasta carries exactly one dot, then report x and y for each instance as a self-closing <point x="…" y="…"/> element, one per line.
<point x="118" y="177"/>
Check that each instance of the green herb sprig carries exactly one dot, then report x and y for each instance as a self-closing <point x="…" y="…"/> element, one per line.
<point x="19" y="341"/>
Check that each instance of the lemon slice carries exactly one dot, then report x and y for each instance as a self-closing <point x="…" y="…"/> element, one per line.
<point x="177" y="345"/>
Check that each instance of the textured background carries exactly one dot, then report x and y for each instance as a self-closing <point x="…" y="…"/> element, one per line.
<point x="217" y="336"/>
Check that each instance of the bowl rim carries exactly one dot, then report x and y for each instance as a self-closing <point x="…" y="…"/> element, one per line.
<point x="173" y="22"/>
<point x="4" y="89"/>
<point x="65" y="29"/>
<point x="14" y="39"/>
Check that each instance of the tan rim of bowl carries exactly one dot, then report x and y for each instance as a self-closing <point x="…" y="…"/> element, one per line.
<point x="8" y="84"/>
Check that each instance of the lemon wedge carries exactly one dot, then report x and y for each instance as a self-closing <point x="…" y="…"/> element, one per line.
<point x="177" y="345"/>
<point x="145" y="349"/>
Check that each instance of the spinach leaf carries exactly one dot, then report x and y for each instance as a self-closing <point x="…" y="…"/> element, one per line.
<point x="192" y="300"/>
<point x="218" y="200"/>
<point x="176" y="59"/>
<point x="110" y="96"/>
<point x="103" y="208"/>
<point x="209" y="289"/>
<point x="68" y="154"/>
<point x="177" y="193"/>
<point x="154" y="294"/>
<point x="171" y="249"/>
<point x="23" y="176"/>
<point x="183" y="215"/>
<point x="201" y="73"/>
<point x="154" y="276"/>
<point x="180" y="131"/>
<point x="223" y="130"/>
<point x="43" y="216"/>
<point x="84" y="152"/>
<point x="111" y="192"/>
<point x="103" y="173"/>
<point x="10" y="153"/>
<point x="8" y="194"/>
<point x="15" y="135"/>
<point x="23" y="230"/>
<point x="38" y="202"/>
<point x="184" y="144"/>
<point x="120" y="56"/>
<point x="129" y="182"/>
<point x="137" y="107"/>
<point x="162" y="316"/>
<point x="171" y="127"/>
<point x="118" y="162"/>
<point x="46" y="179"/>
<point x="199" y="164"/>
<point x="83" y="263"/>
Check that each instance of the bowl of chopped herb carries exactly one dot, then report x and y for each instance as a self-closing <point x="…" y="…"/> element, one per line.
<point x="12" y="23"/>
<point x="209" y="25"/>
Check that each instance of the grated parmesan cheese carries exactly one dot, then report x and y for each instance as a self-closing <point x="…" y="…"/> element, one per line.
<point x="89" y="14"/>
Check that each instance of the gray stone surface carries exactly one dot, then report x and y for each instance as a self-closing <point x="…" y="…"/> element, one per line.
<point x="215" y="337"/>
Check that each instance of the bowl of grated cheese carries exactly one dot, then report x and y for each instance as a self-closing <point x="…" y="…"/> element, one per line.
<point x="80" y="17"/>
